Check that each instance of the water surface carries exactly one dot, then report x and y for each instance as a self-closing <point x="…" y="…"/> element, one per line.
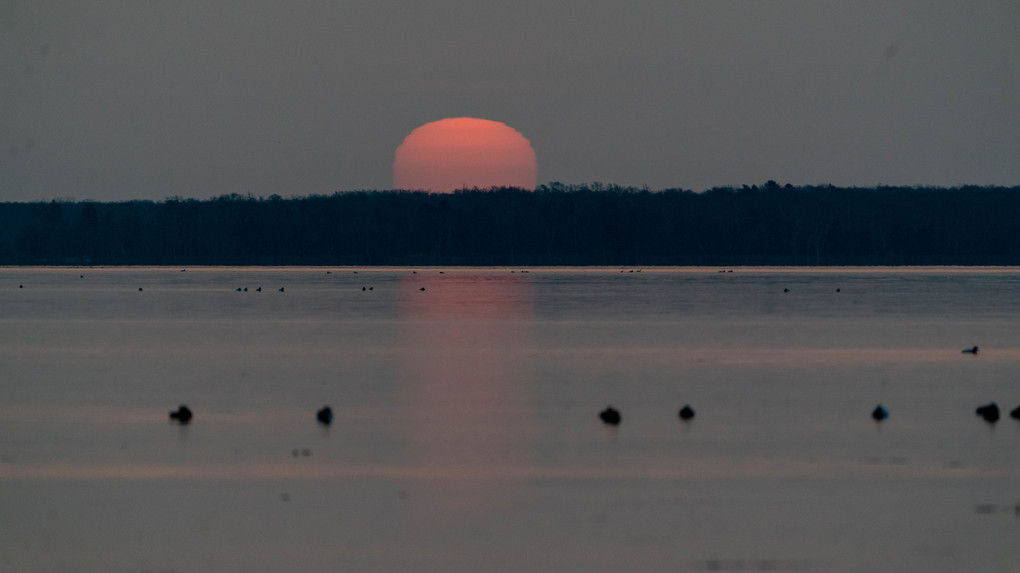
<point x="466" y="435"/>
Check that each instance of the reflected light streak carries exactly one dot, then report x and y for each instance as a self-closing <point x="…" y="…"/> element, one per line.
<point x="457" y="479"/>
<point x="466" y="388"/>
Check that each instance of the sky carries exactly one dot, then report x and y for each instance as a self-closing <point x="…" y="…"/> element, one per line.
<point x="137" y="99"/>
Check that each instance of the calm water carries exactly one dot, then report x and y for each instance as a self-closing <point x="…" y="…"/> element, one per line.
<point x="466" y="435"/>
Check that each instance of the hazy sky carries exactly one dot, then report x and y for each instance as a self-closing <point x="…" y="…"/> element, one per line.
<point x="150" y="99"/>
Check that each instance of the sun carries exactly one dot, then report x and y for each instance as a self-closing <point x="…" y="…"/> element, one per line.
<point x="464" y="152"/>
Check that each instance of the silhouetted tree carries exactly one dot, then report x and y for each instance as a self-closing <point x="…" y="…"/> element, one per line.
<point x="557" y="224"/>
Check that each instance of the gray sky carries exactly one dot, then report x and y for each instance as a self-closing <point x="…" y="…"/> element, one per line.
<point x="149" y="99"/>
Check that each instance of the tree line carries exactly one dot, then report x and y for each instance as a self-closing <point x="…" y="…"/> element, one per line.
<point x="555" y="224"/>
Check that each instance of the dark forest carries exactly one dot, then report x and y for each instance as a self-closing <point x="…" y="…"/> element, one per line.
<point x="553" y="225"/>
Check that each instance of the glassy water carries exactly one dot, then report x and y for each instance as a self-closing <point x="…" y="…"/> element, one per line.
<point x="466" y="435"/>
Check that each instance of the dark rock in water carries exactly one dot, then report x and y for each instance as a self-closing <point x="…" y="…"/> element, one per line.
<point x="1015" y="413"/>
<point x="686" y="413"/>
<point x="610" y="416"/>
<point x="990" y="412"/>
<point x="879" y="413"/>
<point x="325" y="415"/>
<point x="970" y="350"/>
<point x="182" y="415"/>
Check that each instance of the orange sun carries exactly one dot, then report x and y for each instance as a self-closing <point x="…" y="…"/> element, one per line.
<point x="464" y="152"/>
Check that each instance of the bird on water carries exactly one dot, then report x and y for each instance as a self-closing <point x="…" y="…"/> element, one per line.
<point x="182" y="414"/>
<point x="686" y="413"/>
<point x="879" y="413"/>
<point x="325" y="415"/>
<point x="973" y="350"/>
<point x="990" y="412"/>
<point x="610" y="416"/>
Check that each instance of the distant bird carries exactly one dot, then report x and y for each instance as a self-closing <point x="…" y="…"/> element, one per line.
<point x="422" y="288"/>
<point x="258" y="289"/>
<point x="786" y="290"/>
<point x="81" y="276"/>
<point x="139" y="289"/>
<point x="238" y="289"/>
<point x="879" y="413"/>
<point x="281" y="289"/>
<point x="686" y="413"/>
<point x="837" y="290"/>
<point x="970" y="350"/>
<point x="610" y="416"/>
<point x="23" y="286"/>
<point x="370" y="288"/>
<point x="1015" y="413"/>
<point x="325" y="415"/>
<point x="245" y="289"/>
<point x="990" y="412"/>
<point x="363" y="289"/>
<point x="182" y="415"/>
<point x="329" y="272"/>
